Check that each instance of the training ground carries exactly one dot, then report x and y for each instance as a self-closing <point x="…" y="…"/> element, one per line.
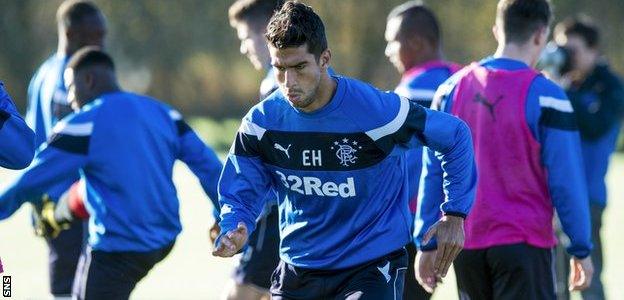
<point x="191" y="272"/>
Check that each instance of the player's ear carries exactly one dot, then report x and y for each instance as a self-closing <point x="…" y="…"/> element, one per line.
<point x="415" y="42"/>
<point x="89" y="79"/>
<point x="541" y="35"/>
<point x="325" y="58"/>
<point x="495" y="32"/>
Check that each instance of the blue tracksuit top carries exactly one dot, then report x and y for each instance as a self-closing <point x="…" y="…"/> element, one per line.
<point x="340" y="172"/>
<point x="17" y="140"/>
<point x="124" y="146"/>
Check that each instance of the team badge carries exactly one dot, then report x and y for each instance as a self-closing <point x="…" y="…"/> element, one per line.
<point x="345" y="151"/>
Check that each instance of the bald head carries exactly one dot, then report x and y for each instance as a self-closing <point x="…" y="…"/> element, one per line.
<point x="80" y="24"/>
<point x="413" y="35"/>
<point x="415" y="18"/>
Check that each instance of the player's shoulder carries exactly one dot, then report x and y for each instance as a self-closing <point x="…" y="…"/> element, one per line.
<point x="269" y="110"/>
<point x="79" y="123"/>
<point x="364" y="99"/>
<point x="544" y="87"/>
<point x="443" y="93"/>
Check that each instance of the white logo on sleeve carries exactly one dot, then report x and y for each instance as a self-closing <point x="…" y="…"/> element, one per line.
<point x="385" y="271"/>
<point x="345" y="151"/>
<point x="281" y="148"/>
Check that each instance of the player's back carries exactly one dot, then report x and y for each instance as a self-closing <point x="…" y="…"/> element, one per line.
<point x="129" y="173"/>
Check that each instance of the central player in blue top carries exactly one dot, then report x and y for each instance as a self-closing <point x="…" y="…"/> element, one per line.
<point x="333" y="150"/>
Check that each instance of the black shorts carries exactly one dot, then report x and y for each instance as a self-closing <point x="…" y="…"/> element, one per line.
<point x="262" y="254"/>
<point x="113" y="275"/>
<point x="63" y="254"/>
<point x="517" y="271"/>
<point x="412" y="289"/>
<point x="378" y="279"/>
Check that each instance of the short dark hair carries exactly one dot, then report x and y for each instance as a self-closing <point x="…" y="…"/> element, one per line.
<point x="522" y="18"/>
<point x="72" y="12"/>
<point x="294" y="25"/>
<point x="257" y="12"/>
<point x="90" y="56"/>
<point x="583" y="26"/>
<point x="417" y="19"/>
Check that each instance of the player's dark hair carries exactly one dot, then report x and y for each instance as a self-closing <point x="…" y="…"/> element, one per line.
<point x="257" y="12"/>
<point x="294" y="25"/>
<point x="90" y="56"/>
<point x="417" y="19"/>
<point x="522" y="18"/>
<point x="582" y="26"/>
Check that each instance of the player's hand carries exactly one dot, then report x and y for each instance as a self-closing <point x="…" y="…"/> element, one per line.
<point x="231" y="242"/>
<point x="449" y="233"/>
<point x="581" y="271"/>
<point x="423" y="267"/>
<point x="214" y="231"/>
<point x="46" y="224"/>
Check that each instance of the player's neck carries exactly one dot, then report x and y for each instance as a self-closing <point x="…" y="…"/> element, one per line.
<point x="522" y="53"/>
<point x="326" y="90"/>
<point x="423" y="59"/>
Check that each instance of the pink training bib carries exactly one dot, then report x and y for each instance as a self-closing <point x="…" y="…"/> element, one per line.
<point x="512" y="204"/>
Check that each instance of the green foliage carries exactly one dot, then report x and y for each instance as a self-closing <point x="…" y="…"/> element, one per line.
<point x="218" y="134"/>
<point x="185" y="52"/>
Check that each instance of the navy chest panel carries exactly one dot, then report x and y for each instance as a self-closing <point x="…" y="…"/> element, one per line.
<point x="320" y="151"/>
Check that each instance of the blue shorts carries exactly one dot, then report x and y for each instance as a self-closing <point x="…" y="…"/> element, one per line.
<point x="262" y="254"/>
<point x="379" y="279"/>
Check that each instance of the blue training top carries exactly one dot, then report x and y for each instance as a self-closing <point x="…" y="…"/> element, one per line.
<point x="551" y="120"/>
<point x="47" y="97"/>
<point x="124" y="146"/>
<point x="18" y="141"/>
<point x="339" y="172"/>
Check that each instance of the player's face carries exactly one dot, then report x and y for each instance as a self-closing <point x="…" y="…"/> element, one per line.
<point x="298" y="73"/>
<point x="395" y="48"/>
<point x="583" y="57"/>
<point x="253" y="44"/>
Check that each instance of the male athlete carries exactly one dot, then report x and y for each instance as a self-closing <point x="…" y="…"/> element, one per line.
<point x="528" y="157"/>
<point x="252" y="276"/>
<point x="124" y="145"/>
<point x="17" y="141"/>
<point x="333" y="149"/>
<point x="413" y="37"/>
<point x="80" y="23"/>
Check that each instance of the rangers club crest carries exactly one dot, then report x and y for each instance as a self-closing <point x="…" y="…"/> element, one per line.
<point x="345" y="151"/>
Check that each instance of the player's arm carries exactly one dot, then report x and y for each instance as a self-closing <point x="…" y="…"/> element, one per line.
<point x="61" y="158"/>
<point x="200" y="158"/>
<point x="553" y="123"/>
<point x="17" y="139"/>
<point x="451" y="141"/>
<point x="242" y="189"/>
<point x="431" y="191"/>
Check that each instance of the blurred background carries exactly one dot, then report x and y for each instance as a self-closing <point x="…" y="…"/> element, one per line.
<point x="185" y="53"/>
